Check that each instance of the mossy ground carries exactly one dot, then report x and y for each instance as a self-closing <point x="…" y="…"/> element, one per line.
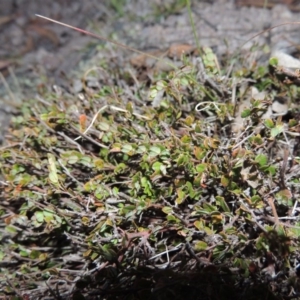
<point x="105" y="196"/>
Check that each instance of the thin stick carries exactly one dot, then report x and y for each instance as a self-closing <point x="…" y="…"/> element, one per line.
<point x="106" y="40"/>
<point x="268" y="29"/>
<point x="275" y="215"/>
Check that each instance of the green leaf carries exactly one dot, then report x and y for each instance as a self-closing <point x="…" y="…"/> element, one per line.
<point x="10" y="229"/>
<point x="154" y="151"/>
<point x="48" y="216"/>
<point x="221" y="201"/>
<point x="273" y="61"/>
<point x="39" y="216"/>
<point x="269" y="123"/>
<point x="199" y="225"/>
<point x="295" y="232"/>
<point x="34" y="254"/>
<point x="272" y="170"/>
<point x="246" y="113"/>
<point x="24" y="253"/>
<point x="103" y="126"/>
<point x="73" y="159"/>
<point x="257" y="140"/>
<point x="261" y="159"/>
<point x="201" y="168"/>
<point x="52" y="169"/>
<point x="225" y="181"/>
<point x="199" y="153"/>
<point x="160" y="85"/>
<point x="141" y="149"/>
<point x="200" y="246"/>
<point x="256" y="201"/>
<point x="156" y="166"/>
<point x="159" y="167"/>
<point x="180" y="196"/>
<point x="167" y="210"/>
<point x="146" y="184"/>
<point x="127" y="148"/>
<point x="120" y="168"/>
<point x="186" y="139"/>
<point x="208" y="208"/>
<point x="277" y="130"/>
<point x="292" y="123"/>
<point x="172" y="218"/>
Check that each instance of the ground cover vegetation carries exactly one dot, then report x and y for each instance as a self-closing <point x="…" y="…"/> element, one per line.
<point x="138" y="187"/>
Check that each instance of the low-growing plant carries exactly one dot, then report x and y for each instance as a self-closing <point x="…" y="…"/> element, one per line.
<point x="107" y="196"/>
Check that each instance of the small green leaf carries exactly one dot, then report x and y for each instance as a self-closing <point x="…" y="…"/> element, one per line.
<point x="256" y="140"/>
<point x="186" y="139"/>
<point x="120" y="168"/>
<point x="261" y="159"/>
<point x="201" y="168"/>
<point x="200" y="246"/>
<point x="172" y="218"/>
<point x="73" y="159"/>
<point x="208" y="208"/>
<point x="153" y="93"/>
<point x="160" y="85"/>
<point x="225" y="181"/>
<point x="103" y="126"/>
<point x="255" y="199"/>
<point x="269" y="123"/>
<point x="156" y="166"/>
<point x="154" y="151"/>
<point x="199" y="153"/>
<point x="146" y="184"/>
<point x="10" y="229"/>
<point x="34" y="254"/>
<point x="199" y="225"/>
<point x="24" y="253"/>
<point x="295" y="230"/>
<point x="48" y="216"/>
<point x="292" y="123"/>
<point x="52" y="169"/>
<point x="273" y="61"/>
<point x="127" y="148"/>
<point x="272" y="170"/>
<point x="167" y="210"/>
<point x="39" y="216"/>
<point x="246" y="113"/>
<point x="180" y="196"/>
<point x="276" y="130"/>
<point x="221" y="201"/>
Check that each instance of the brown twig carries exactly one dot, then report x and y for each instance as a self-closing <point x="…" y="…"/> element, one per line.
<point x="274" y="211"/>
<point x="106" y="40"/>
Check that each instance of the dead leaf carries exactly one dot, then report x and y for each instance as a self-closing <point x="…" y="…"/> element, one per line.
<point x="176" y="51"/>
